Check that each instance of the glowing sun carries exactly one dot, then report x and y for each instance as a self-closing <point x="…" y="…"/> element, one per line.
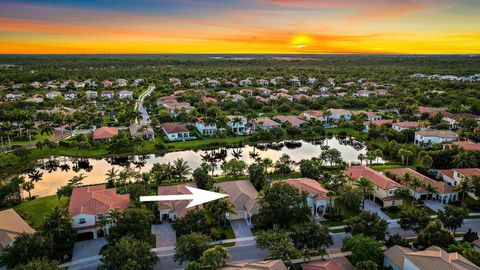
<point x="301" y="41"/>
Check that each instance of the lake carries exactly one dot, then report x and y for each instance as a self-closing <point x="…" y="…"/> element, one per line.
<point x="57" y="171"/>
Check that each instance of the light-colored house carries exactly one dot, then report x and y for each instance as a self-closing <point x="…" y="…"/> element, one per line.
<point x="292" y="119"/>
<point x="263" y="82"/>
<point x="121" y="82"/>
<point x="144" y="131"/>
<point x="79" y="84"/>
<point x="53" y="94"/>
<point x="87" y="204"/>
<point x="237" y="124"/>
<point x="36" y="85"/>
<point x="266" y="123"/>
<point x="18" y="86"/>
<point x="401" y="126"/>
<point x="384" y="187"/>
<point x="105" y="134"/>
<point x="246" y="82"/>
<point x="91" y="94"/>
<point x="125" y="94"/>
<point x="336" y="114"/>
<point x="107" y="83"/>
<point x="11" y="225"/>
<point x="71" y="95"/>
<point x="444" y="194"/>
<point x="107" y="94"/>
<point x="317" y="198"/>
<point x="402" y="258"/>
<point x="295" y="81"/>
<point x="453" y="177"/>
<point x="206" y="129"/>
<point x="312" y="80"/>
<point x="14" y="95"/>
<point x="172" y="210"/>
<point x="237" y="97"/>
<point x="371" y="116"/>
<point x="213" y="83"/>
<point x="454" y="118"/>
<point x="175" y="108"/>
<point x="467" y="145"/>
<point x="260" y="265"/>
<point x="428" y="137"/>
<point x="243" y="196"/>
<point x="316" y="114"/>
<point x="176" y="131"/>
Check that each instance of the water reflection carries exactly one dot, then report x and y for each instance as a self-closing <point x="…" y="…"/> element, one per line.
<point x="55" y="172"/>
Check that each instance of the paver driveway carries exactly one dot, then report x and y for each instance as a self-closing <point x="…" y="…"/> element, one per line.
<point x="88" y="248"/>
<point x="165" y="235"/>
<point x="373" y="207"/>
<point x="241" y="230"/>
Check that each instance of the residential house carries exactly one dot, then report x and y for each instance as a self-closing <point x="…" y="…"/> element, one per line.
<point x="266" y="123"/>
<point x="209" y="100"/>
<point x="18" y="86"/>
<point x="79" y="84"/>
<point x="3" y="87"/>
<point x="384" y="187"/>
<point x="428" y="137"/>
<point x="299" y="97"/>
<point x="454" y="118"/>
<point x="295" y="81"/>
<point x="337" y="114"/>
<point x="172" y="210"/>
<point x="265" y="92"/>
<point x="371" y="116"/>
<point x="281" y="95"/>
<point x="377" y="123"/>
<point x="237" y="124"/>
<point x="11" y="225"/>
<point x="35" y="99"/>
<point x="138" y="82"/>
<point x="453" y="177"/>
<point x="467" y="145"/>
<point x="401" y="126"/>
<point x="431" y="112"/>
<point x="317" y="198"/>
<point x="166" y="99"/>
<point x="125" y="94"/>
<point x="121" y="82"/>
<point x="316" y="114"/>
<point x="363" y="93"/>
<point x="176" y="131"/>
<point x="402" y="258"/>
<point x="107" y="95"/>
<point x="263" y="82"/>
<point x="303" y="90"/>
<point x="260" y="265"/>
<point x="243" y="196"/>
<point x="53" y="94"/>
<point x="175" y="108"/>
<point x="14" y="95"/>
<point x="36" y="85"/>
<point x="237" y="98"/>
<point x="144" y="131"/>
<point x="88" y="204"/>
<point x="339" y="263"/>
<point x="174" y="81"/>
<point x="104" y="134"/>
<point x="206" y="129"/>
<point x="312" y="80"/>
<point x="292" y="119"/>
<point x="444" y="193"/>
<point x="91" y="94"/>
<point x="196" y="83"/>
<point x="213" y="83"/>
<point x="246" y="82"/>
<point x="71" y="95"/>
<point x="107" y="83"/>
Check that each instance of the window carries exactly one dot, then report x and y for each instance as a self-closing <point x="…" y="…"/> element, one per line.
<point x="81" y="221"/>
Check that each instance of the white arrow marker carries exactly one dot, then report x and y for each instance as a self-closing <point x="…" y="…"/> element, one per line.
<point x="198" y="196"/>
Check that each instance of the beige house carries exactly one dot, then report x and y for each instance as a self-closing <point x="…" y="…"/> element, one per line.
<point x="243" y="196"/>
<point x="402" y="258"/>
<point x="260" y="265"/>
<point x="172" y="210"/>
<point x="11" y="225"/>
<point x="384" y="187"/>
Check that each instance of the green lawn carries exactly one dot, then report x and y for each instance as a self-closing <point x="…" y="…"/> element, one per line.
<point x="35" y="211"/>
<point x="36" y="138"/>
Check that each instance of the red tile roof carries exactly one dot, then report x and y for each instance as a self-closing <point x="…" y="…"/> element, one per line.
<point x="96" y="200"/>
<point x="209" y="100"/>
<point x="265" y="121"/>
<point x="406" y="124"/>
<point x="312" y="187"/>
<point x="177" y="206"/>
<point x="328" y="264"/>
<point x="174" y="128"/>
<point x="379" y="122"/>
<point x="441" y="187"/>
<point x="292" y="119"/>
<point x="468" y="145"/>
<point x="105" y="133"/>
<point x="373" y="176"/>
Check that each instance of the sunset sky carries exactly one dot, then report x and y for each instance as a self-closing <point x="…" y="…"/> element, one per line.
<point x="241" y="26"/>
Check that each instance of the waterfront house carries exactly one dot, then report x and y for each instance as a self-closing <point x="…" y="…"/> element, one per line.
<point x="173" y="210"/>
<point x="401" y="126"/>
<point x="107" y="94"/>
<point x="384" y="187"/>
<point x="266" y="123"/>
<point x="243" y="196"/>
<point x="292" y="119"/>
<point x="125" y="94"/>
<point x="105" y="134"/>
<point x="53" y="94"/>
<point x="444" y="193"/>
<point x="403" y="258"/>
<point x="316" y="114"/>
<point x="317" y="198"/>
<point x="87" y="204"/>
<point x="71" y="95"/>
<point x="237" y="124"/>
<point x="144" y="131"/>
<point x="206" y="129"/>
<point x="428" y="137"/>
<point x="107" y="83"/>
<point x="11" y="225"/>
<point x="337" y="114"/>
<point x="176" y="131"/>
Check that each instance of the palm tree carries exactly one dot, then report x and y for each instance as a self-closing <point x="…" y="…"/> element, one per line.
<point x="378" y="154"/>
<point x="404" y="155"/>
<point x="415" y="183"/>
<point x="28" y="126"/>
<point x="361" y="157"/>
<point x="102" y="223"/>
<point x="114" y="215"/>
<point x="464" y="159"/>
<point x="305" y="254"/>
<point x="430" y="189"/>
<point x="406" y="179"/>
<point x="267" y="163"/>
<point x="463" y="187"/>
<point x="181" y="168"/>
<point x="112" y="177"/>
<point x="28" y="186"/>
<point x="366" y="187"/>
<point x="46" y="130"/>
<point x="7" y="129"/>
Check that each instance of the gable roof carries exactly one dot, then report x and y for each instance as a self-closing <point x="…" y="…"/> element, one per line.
<point x="241" y="194"/>
<point x="328" y="264"/>
<point x="105" y="133"/>
<point x="292" y="119"/>
<point x="11" y="225"/>
<point x="438" y="259"/>
<point x="180" y="207"/>
<point x="373" y="176"/>
<point x="267" y="122"/>
<point x="96" y="200"/>
<point x="310" y="186"/>
<point x="437" y="133"/>
<point x="468" y="145"/>
<point x="259" y="265"/>
<point x="174" y="128"/>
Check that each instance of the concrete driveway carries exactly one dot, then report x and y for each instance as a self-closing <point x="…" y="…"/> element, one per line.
<point x="434" y="205"/>
<point x="88" y="248"/>
<point x="165" y="235"/>
<point x="241" y="230"/>
<point x="373" y="207"/>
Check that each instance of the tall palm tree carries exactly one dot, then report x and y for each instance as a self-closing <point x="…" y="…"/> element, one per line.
<point x="181" y="168"/>
<point x="366" y="187"/>
<point x="361" y="157"/>
<point x="28" y="186"/>
<point x="415" y="183"/>
<point x="28" y="125"/>
<point x="112" y="176"/>
<point x="406" y="179"/>
<point x="463" y="187"/>
<point x="46" y="130"/>
<point x="114" y="215"/>
<point x="430" y="189"/>
<point x="7" y="129"/>
<point x="464" y="159"/>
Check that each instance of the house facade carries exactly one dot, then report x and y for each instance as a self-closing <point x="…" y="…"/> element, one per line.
<point x="237" y="124"/>
<point x="243" y="196"/>
<point x="206" y="129"/>
<point x="428" y="137"/>
<point x="173" y="210"/>
<point x="176" y="131"/>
